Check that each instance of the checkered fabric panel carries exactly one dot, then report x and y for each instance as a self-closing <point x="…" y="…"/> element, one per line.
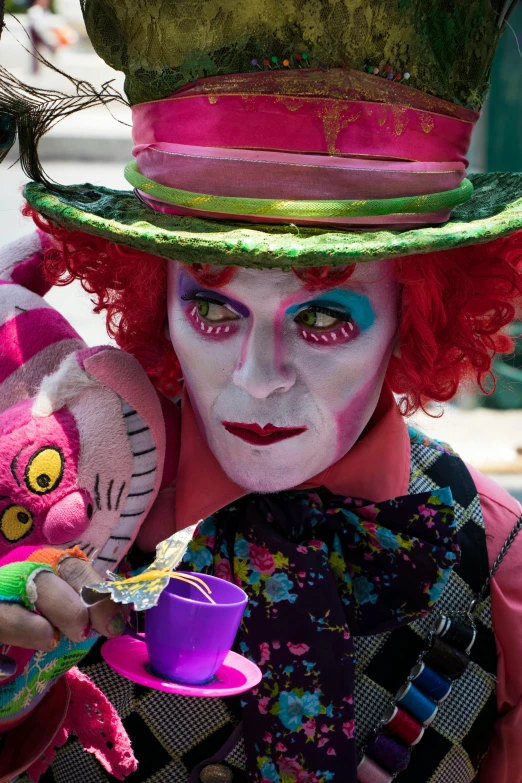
<point x="453" y="746"/>
<point x="74" y="765"/>
<point x="195" y="719"/>
<point x="367" y="648"/>
<point x="376" y="701"/>
<point x="467" y="699"/>
<point x="118" y="690"/>
<point x="237" y="758"/>
<point x="456" y="768"/>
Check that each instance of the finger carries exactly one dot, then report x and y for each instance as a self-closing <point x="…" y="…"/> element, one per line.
<point x="61" y="605"/>
<point x="21" y="628"/>
<point x="106" y="617"/>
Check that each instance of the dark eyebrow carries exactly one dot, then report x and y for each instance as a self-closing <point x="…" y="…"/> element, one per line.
<point x="14" y="463"/>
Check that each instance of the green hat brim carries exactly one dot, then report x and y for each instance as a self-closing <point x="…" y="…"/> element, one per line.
<point x="494" y="210"/>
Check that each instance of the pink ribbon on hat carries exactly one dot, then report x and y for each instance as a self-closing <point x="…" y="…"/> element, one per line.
<point x="299" y="148"/>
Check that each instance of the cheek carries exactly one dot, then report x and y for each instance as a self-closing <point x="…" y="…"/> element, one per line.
<point x="347" y="382"/>
<point x="362" y="400"/>
<point x="207" y="360"/>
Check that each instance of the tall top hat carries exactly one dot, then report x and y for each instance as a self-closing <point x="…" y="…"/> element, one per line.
<point x="284" y="133"/>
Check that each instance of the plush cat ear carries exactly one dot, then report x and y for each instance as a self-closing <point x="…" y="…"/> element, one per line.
<point x="62" y="387"/>
<point x="35" y="338"/>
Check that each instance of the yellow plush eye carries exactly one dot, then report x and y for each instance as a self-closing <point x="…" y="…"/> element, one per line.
<point x="45" y="470"/>
<point x="16" y="522"/>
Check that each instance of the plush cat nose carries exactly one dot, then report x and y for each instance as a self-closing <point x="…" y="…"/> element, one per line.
<point x="68" y="518"/>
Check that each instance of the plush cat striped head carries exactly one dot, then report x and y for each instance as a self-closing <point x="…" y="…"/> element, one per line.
<point x="81" y="462"/>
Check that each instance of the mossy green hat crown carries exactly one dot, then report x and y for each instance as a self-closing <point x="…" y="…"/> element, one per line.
<point x="327" y="114"/>
<point x="447" y="46"/>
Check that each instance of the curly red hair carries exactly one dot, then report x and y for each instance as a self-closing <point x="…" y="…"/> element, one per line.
<point x="454" y="308"/>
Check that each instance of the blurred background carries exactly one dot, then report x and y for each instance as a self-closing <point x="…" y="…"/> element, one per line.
<point x="94" y="145"/>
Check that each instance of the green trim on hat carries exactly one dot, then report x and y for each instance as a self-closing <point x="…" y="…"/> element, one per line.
<point x="494" y="210"/>
<point x="325" y="208"/>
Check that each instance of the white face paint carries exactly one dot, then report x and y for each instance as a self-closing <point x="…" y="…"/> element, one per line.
<point x="282" y="379"/>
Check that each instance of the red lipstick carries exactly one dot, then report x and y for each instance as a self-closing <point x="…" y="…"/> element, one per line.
<point x="261" y="436"/>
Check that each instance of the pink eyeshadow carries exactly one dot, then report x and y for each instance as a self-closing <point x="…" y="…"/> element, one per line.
<point x="213" y="332"/>
<point x="343" y="334"/>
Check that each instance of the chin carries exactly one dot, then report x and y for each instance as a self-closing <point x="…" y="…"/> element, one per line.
<point x="269" y="469"/>
<point x="266" y="478"/>
<point x="265" y="484"/>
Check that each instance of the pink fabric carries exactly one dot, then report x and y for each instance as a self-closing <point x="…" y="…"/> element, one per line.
<point x="29" y="274"/>
<point x="285" y="148"/>
<point x="255" y="142"/>
<point x="282" y="175"/>
<point x="345" y="84"/>
<point x="378" y="467"/>
<point x="272" y="122"/>
<point x="68" y="518"/>
<point x="93" y="719"/>
<point x="503" y="763"/>
<point x="18" y="555"/>
<point x="28" y="333"/>
<point x="27" y="742"/>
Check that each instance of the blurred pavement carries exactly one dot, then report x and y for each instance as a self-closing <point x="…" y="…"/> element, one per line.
<point x="97" y="134"/>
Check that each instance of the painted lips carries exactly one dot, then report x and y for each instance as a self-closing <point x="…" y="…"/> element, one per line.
<point x="261" y="436"/>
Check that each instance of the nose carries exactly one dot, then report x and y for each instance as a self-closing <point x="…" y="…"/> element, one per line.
<point x="261" y="370"/>
<point x="68" y="518"/>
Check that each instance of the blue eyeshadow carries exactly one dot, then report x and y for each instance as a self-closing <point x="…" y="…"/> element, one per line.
<point x="356" y="305"/>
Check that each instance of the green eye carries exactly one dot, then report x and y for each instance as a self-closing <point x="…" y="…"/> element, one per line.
<point x="318" y="318"/>
<point x="215" y="312"/>
<point x="308" y="317"/>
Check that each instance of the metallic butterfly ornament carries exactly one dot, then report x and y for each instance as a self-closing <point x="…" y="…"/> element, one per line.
<point x="144" y="590"/>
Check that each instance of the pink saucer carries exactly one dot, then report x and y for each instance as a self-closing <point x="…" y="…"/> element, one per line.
<point x="128" y="656"/>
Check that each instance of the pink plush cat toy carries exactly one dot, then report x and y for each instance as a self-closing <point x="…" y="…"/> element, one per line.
<point x="82" y="445"/>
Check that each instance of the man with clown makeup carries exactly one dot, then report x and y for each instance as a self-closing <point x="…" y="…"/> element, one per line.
<point x="303" y="263"/>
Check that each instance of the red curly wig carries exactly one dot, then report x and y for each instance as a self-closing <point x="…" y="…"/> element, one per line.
<point x="455" y="305"/>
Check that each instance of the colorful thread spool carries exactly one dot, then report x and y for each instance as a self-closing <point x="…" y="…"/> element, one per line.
<point x="387" y="753"/>
<point x="431" y="683"/>
<point x="417" y="703"/>
<point x="370" y="772"/>
<point x="456" y="634"/>
<point x="404" y="726"/>
<point x="446" y="659"/>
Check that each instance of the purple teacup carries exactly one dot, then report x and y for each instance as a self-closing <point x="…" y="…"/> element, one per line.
<point x="187" y="636"/>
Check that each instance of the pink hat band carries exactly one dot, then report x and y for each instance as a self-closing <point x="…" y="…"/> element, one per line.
<point x="295" y="158"/>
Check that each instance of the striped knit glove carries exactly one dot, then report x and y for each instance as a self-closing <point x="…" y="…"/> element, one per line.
<point x="35" y="671"/>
